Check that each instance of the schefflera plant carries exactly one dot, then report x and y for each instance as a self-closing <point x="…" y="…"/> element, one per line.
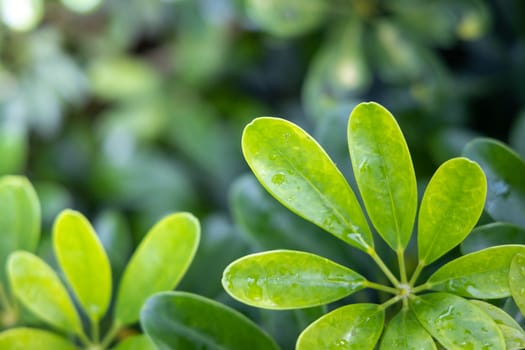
<point x="158" y="264"/>
<point x="294" y="168"/>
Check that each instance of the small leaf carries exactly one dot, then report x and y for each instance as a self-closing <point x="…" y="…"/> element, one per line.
<point x="177" y="320"/>
<point x="483" y="274"/>
<point x="493" y="234"/>
<point x="286" y="279"/>
<point x="84" y="262"/>
<point x="20" y="219"/>
<point x="356" y="326"/>
<point x="158" y="264"/>
<point x="34" y="339"/>
<point x="292" y="166"/>
<point x="41" y="291"/>
<point x="136" y="342"/>
<point x="451" y="206"/>
<point x="405" y="332"/>
<point x="512" y="332"/>
<point x="456" y="323"/>
<point x="384" y="172"/>
<point x="504" y="169"/>
<point x="517" y="280"/>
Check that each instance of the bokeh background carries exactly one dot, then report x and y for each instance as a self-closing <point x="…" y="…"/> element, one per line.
<point x="128" y="110"/>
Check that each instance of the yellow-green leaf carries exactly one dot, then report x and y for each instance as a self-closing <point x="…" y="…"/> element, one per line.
<point x="136" y="342"/>
<point x="33" y="339"/>
<point x="84" y="262"/>
<point x="517" y="280"/>
<point x="404" y="332"/>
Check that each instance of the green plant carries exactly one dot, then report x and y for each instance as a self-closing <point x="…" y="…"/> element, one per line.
<point x="297" y="172"/>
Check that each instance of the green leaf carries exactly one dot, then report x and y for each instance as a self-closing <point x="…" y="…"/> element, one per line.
<point x="456" y="323"/>
<point x="356" y="326"/>
<point x="384" y="172"/>
<point x="292" y="166"/>
<point x="34" y="339"/>
<point x="177" y="320"/>
<point x="287" y="18"/>
<point x="512" y="332"/>
<point x="483" y="274"/>
<point x="517" y="280"/>
<point x="38" y="287"/>
<point x="136" y="342"/>
<point x="83" y="261"/>
<point x="158" y="264"/>
<point x="493" y="234"/>
<point x="286" y="279"/>
<point x="451" y="206"/>
<point x="405" y="332"/>
<point x="504" y="169"/>
<point x="20" y="219"/>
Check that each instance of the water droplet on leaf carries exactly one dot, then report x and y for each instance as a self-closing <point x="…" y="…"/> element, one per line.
<point x="278" y="179"/>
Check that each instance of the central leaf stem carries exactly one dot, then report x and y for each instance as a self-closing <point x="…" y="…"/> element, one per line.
<point x="383" y="267"/>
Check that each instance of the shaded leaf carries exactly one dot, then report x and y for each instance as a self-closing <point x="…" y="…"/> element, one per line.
<point x="286" y="279"/>
<point x="292" y="166"/>
<point x="34" y="339"/>
<point x="483" y="274"/>
<point x="356" y="326"/>
<point x="84" y="262"/>
<point x="451" y="206"/>
<point x="405" y="332"/>
<point x="38" y="287"/>
<point x="456" y="323"/>
<point x="384" y="172"/>
<point x="158" y="264"/>
<point x="493" y="234"/>
<point x="177" y="320"/>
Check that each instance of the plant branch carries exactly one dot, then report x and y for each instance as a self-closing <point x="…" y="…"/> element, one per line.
<point x="391" y="301"/>
<point x="422" y="287"/>
<point x="381" y="287"/>
<point x="402" y="265"/>
<point x="110" y="335"/>
<point x="384" y="268"/>
<point x="416" y="273"/>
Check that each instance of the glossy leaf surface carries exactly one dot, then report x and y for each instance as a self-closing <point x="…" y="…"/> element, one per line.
<point x="384" y="172"/>
<point x="483" y="274"/>
<point x="136" y="342"/>
<point x="356" y="326"/>
<point x="511" y="330"/>
<point x="456" y="323"/>
<point x="38" y="287"/>
<point x="451" y="206"/>
<point x="504" y="170"/>
<point x="177" y="320"/>
<point x="158" y="264"/>
<point x="493" y="234"/>
<point x="84" y="262"/>
<point x="405" y="332"/>
<point x="20" y="219"/>
<point x="292" y="166"/>
<point x="286" y="279"/>
<point x="517" y="280"/>
<point x="34" y="339"/>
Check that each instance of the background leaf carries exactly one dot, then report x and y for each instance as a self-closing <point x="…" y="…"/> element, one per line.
<point x="451" y="206"/>
<point x="285" y="279"/>
<point x="356" y="326"/>
<point x="384" y="172"/>
<point x="158" y="264"/>
<point x="84" y="262"/>
<point x="34" y="339"/>
<point x="292" y="166"/>
<point x="405" y="332"/>
<point x="493" y="234"/>
<point x="177" y="320"/>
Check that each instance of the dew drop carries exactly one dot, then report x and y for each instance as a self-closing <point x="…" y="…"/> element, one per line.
<point x="273" y="156"/>
<point x="278" y="179"/>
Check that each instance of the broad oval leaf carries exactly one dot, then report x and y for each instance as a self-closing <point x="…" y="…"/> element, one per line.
<point x="287" y="279"/>
<point x="384" y="172"/>
<point x="356" y="326"/>
<point x="456" y="323"/>
<point x="405" y="332"/>
<point x="20" y="219"/>
<point x="483" y="274"/>
<point x="84" y="262"/>
<point x="493" y="234"/>
<point x="504" y="170"/>
<point x="294" y="168"/>
<point x="136" y="342"/>
<point x="511" y="330"/>
<point x="34" y="339"/>
<point x="38" y="287"/>
<point x="158" y="264"/>
<point x="451" y="206"/>
<point x="178" y="320"/>
<point x="517" y="280"/>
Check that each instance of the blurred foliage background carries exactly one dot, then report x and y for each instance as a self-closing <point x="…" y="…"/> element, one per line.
<point x="131" y="109"/>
